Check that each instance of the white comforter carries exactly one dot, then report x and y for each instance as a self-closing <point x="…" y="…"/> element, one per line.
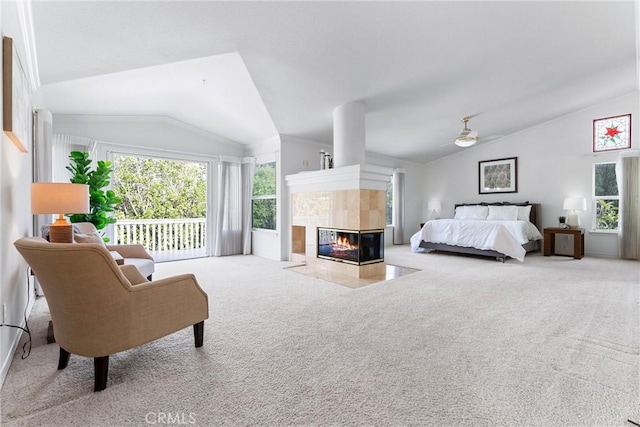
<point x="506" y="237"/>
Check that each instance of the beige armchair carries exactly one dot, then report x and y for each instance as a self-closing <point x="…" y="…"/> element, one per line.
<point x="99" y="308"/>
<point x="133" y="254"/>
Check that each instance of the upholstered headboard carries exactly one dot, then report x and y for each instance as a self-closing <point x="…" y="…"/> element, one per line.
<point x="534" y="216"/>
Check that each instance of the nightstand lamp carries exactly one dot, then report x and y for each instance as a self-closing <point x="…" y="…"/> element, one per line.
<point x="434" y="206"/>
<point x="574" y="204"/>
<point x="59" y="198"/>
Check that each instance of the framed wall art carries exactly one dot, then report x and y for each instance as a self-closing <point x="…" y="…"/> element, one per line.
<point x="612" y="133"/>
<point x="16" y="109"/>
<point x="498" y="176"/>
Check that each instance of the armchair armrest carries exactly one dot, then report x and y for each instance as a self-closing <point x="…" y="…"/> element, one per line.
<point x="133" y="274"/>
<point x="131" y="251"/>
<point x="167" y="305"/>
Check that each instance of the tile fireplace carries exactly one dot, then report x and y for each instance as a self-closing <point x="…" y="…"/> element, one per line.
<point x="332" y="211"/>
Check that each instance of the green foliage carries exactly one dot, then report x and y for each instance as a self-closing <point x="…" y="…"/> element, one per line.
<point x="264" y="181"/>
<point x="102" y="203"/>
<point x="264" y="213"/>
<point x="264" y="196"/>
<point x="160" y="189"/>
<point x="607" y="214"/>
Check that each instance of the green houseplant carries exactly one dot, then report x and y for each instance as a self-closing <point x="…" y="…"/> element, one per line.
<point x="102" y="203"/>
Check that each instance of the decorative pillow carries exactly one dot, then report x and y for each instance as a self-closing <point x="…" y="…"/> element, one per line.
<point x="503" y="213"/>
<point x="524" y="213"/>
<point x="93" y="237"/>
<point x="471" y="212"/>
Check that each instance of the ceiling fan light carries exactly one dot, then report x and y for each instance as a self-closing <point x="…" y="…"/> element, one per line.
<point x="465" y="142"/>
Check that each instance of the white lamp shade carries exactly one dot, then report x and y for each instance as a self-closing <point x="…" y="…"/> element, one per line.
<point x="575" y="204"/>
<point x="434" y="205"/>
<point x="59" y="198"/>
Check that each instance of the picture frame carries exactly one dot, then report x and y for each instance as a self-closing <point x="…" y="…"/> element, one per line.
<point x="612" y="133"/>
<point x="498" y="176"/>
<point x="16" y="110"/>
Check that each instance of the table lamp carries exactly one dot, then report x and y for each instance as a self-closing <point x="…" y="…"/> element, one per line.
<point x="59" y="198"/>
<point x="434" y="206"/>
<point x="574" y="204"/>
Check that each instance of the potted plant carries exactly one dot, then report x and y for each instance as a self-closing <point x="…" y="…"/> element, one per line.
<point x="562" y="220"/>
<point x="101" y="202"/>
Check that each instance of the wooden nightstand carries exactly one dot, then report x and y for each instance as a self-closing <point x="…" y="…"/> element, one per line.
<point x="550" y="240"/>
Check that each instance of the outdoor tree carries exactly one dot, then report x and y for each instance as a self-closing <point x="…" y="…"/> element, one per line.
<point x="159" y="189"/>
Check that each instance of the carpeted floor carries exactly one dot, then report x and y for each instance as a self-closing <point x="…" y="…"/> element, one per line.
<point x="465" y="341"/>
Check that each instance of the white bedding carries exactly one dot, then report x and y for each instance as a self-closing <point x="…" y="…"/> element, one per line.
<point x="506" y="237"/>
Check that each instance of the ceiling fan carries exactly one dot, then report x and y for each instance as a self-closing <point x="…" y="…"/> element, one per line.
<point x="466" y="137"/>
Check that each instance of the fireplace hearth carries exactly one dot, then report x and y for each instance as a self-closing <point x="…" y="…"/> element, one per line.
<point x="351" y="246"/>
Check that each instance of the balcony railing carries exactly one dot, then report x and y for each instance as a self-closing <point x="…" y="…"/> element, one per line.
<point x="165" y="239"/>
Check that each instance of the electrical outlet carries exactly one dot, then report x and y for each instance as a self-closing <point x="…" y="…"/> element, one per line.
<point x="305" y="163"/>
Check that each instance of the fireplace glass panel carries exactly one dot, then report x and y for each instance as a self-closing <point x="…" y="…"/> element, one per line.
<point x="350" y="246"/>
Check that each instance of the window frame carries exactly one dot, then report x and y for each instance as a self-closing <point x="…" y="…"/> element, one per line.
<point x="265" y="161"/>
<point x="595" y="199"/>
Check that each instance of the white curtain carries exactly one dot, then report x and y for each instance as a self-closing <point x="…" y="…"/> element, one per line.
<point x="629" y="209"/>
<point x="233" y="219"/>
<point x="42" y="166"/>
<point x="62" y="146"/>
<point x="398" y="206"/>
<point x="248" y="169"/>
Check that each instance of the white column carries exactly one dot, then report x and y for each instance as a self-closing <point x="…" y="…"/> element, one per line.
<point x="348" y="135"/>
<point x="398" y="206"/>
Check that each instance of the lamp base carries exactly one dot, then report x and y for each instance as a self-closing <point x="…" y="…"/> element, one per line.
<point x="573" y="221"/>
<point x="61" y="232"/>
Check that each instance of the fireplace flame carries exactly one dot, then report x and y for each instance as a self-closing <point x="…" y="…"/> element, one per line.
<point x="342" y="244"/>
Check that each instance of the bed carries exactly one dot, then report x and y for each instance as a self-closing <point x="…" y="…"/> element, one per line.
<point x="499" y="230"/>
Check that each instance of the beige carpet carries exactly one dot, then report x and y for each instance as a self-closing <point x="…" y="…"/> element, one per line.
<point x="465" y="341"/>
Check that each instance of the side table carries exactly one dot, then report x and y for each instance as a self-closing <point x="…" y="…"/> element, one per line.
<point x="117" y="257"/>
<point x="550" y="240"/>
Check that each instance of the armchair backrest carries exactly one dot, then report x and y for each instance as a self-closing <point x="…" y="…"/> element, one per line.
<point x="85" y="227"/>
<point x="88" y="295"/>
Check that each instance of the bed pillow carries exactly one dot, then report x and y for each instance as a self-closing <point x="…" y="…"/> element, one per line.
<point x="471" y="212"/>
<point x="524" y="213"/>
<point x="503" y="213"/>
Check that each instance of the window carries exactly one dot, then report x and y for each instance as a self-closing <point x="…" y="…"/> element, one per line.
<point x="390" y="202"/>
<point x="263" y="203"/>
<point x="605" y="196"/>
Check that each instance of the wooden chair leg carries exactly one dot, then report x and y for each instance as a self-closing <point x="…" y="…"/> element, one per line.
<point x="198" y="333"/>
<point x="51" y="338"/>
<point x="64" y="358"/>
<point x="101" y="366"/>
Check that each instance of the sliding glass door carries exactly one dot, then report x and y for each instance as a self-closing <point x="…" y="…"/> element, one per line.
<point x="164" y="205"/>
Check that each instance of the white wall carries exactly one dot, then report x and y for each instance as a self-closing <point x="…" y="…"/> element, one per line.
<point x="555" y="161"/>
<point x="296" y="155"/>
<point x="157" y="132"/>
<point x="16" y="289"/>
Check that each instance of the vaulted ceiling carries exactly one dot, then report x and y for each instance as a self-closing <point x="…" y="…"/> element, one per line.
<point x="250" y="70"/>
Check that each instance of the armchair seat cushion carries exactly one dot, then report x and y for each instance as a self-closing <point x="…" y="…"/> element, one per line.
<point x="145" y="266"/>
